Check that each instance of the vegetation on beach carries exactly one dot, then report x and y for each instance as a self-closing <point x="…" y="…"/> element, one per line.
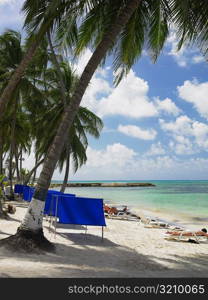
<point x="39" y="90"/>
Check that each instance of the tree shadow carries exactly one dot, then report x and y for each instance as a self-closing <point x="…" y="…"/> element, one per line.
<point x="71" y="226"/>
<point x="88" y="256"/>
<point x="86" y="239"/>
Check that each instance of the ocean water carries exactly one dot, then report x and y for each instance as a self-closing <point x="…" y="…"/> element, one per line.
<point x="189" y="198"/>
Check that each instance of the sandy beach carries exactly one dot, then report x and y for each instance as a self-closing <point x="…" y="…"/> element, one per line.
<point x="128" y="250"/>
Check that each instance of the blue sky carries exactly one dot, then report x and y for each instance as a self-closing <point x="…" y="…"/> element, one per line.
<point x="155" y="121"/>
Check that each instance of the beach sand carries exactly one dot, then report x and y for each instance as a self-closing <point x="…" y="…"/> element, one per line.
<point x="128" y="250"/>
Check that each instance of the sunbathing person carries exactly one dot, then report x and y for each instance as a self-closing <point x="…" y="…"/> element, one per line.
<point x="107" y="208"/>
<point x="202" y="232"/>
<point x="114" y="210"/>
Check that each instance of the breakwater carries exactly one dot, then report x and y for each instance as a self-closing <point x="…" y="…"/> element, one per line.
<point x="105" y="184"/>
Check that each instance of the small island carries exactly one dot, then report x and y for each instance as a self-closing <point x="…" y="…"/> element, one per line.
<point x="105" y="184"/>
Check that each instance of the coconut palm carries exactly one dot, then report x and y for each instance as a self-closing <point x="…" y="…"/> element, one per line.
<point x="41" y="16"/>
<point x="122" y="30"/>
<point x="11" y="53"/>
<point x="85" y="123"/>
<point x="109" y="38"/>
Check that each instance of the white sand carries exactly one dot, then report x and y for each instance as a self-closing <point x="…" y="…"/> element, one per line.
<point x="128" y="250"/>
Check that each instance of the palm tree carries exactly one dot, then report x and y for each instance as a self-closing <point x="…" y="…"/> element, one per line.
<point x="85" y="123"/>
<point x="11" y="53"/>
<point x="42" y="15"/>
<point x="111" y="36"/>
<point x="120" y="20"/>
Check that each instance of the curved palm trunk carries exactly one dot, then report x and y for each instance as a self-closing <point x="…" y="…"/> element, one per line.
<point x="32" y="171"/>
<point x="12" y="146"/>
<point x="17" y="163"/>
<point x="19" y="72"/>
<point x="33" y="218"/>
<point x="21" y="159"/>
<point x="56" y="65"/>
<point x="1" y="153"/>
<point x="66" y="177"/>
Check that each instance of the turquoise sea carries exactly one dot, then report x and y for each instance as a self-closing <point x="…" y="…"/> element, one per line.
<point x="171" y="196"/>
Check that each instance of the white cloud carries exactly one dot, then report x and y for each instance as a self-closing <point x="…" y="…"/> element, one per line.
<point x="189" y="136"/>
<point x="182" y="125"/>
<point x="107" y="165"/>
<point x="137" y="132"/>
<point x="183" y="147"/>
<point x="10" y="12"/>
<point x="156" y="149"/>
<point x="117" y="161"/>
<point x="197" y="94"/>
<point x="186" y="55"/>
<point x="98" y="86"/>
<point x="6" y="2"/>
<point x="82" y="61"/>
<point x="198" y="59"/>
<point x="167" y="106"/>
<point x="128" y="99"/>
<point x="116" y="155"/>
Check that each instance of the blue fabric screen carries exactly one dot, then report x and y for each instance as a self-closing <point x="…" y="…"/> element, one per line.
<point x="50" y="203"/>
<point x="28" y="193"/>
<point x="81" y="211"/>
<point x="18" y="188"/>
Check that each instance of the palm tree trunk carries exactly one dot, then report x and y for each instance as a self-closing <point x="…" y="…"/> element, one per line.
<point x="17" y="163"/>
<point x="12" y="144"/>
<point x="19" y="72"/>
<point x="66" y="177"/>
<point x="20" y="158"/>
<point x="31" y="226"/>
<point x="32" y="171"/>
<point x="1" y="153"/>
<point x="56" y="65"/>
<point x="33" y="218"/>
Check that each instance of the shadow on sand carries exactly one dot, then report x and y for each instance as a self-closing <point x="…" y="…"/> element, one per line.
<point x="82" y="259"/>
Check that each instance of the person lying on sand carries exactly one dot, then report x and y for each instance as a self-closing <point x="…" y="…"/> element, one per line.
<point x="202" y="232"/>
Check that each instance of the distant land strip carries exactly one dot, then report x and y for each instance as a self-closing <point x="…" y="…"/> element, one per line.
<point x="102" y="184"/>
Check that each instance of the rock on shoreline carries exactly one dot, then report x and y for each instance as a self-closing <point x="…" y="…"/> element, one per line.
<point x="106" y="184"/>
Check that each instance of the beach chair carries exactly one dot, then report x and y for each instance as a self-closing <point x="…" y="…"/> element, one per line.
<point x="187" y="236"/>
<point x="121" y="214"/>
<point x="150" y="222"/>
<point x="124" y="216"/>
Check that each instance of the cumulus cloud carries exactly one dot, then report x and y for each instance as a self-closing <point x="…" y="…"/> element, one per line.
<point x="189" y="136"/>
<point x="186" y="55"/>
<point x="156" y="149"/>
<point x="137" y="132"/>
<point x="128" y="99"/>
<point x="195" y="93"/>
<point x="117" y="161"/>
<point x="135" y="166"/>
<point x="82" y="61"/>
<point x="116" y="154"/>
<point x="167" y="106"/>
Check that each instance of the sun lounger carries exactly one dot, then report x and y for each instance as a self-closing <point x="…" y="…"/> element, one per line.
<point x="163" y="224"/>
<point x="187" y="236"/>
<point x="150" y="222"/>
<point x="124" y="216"/>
